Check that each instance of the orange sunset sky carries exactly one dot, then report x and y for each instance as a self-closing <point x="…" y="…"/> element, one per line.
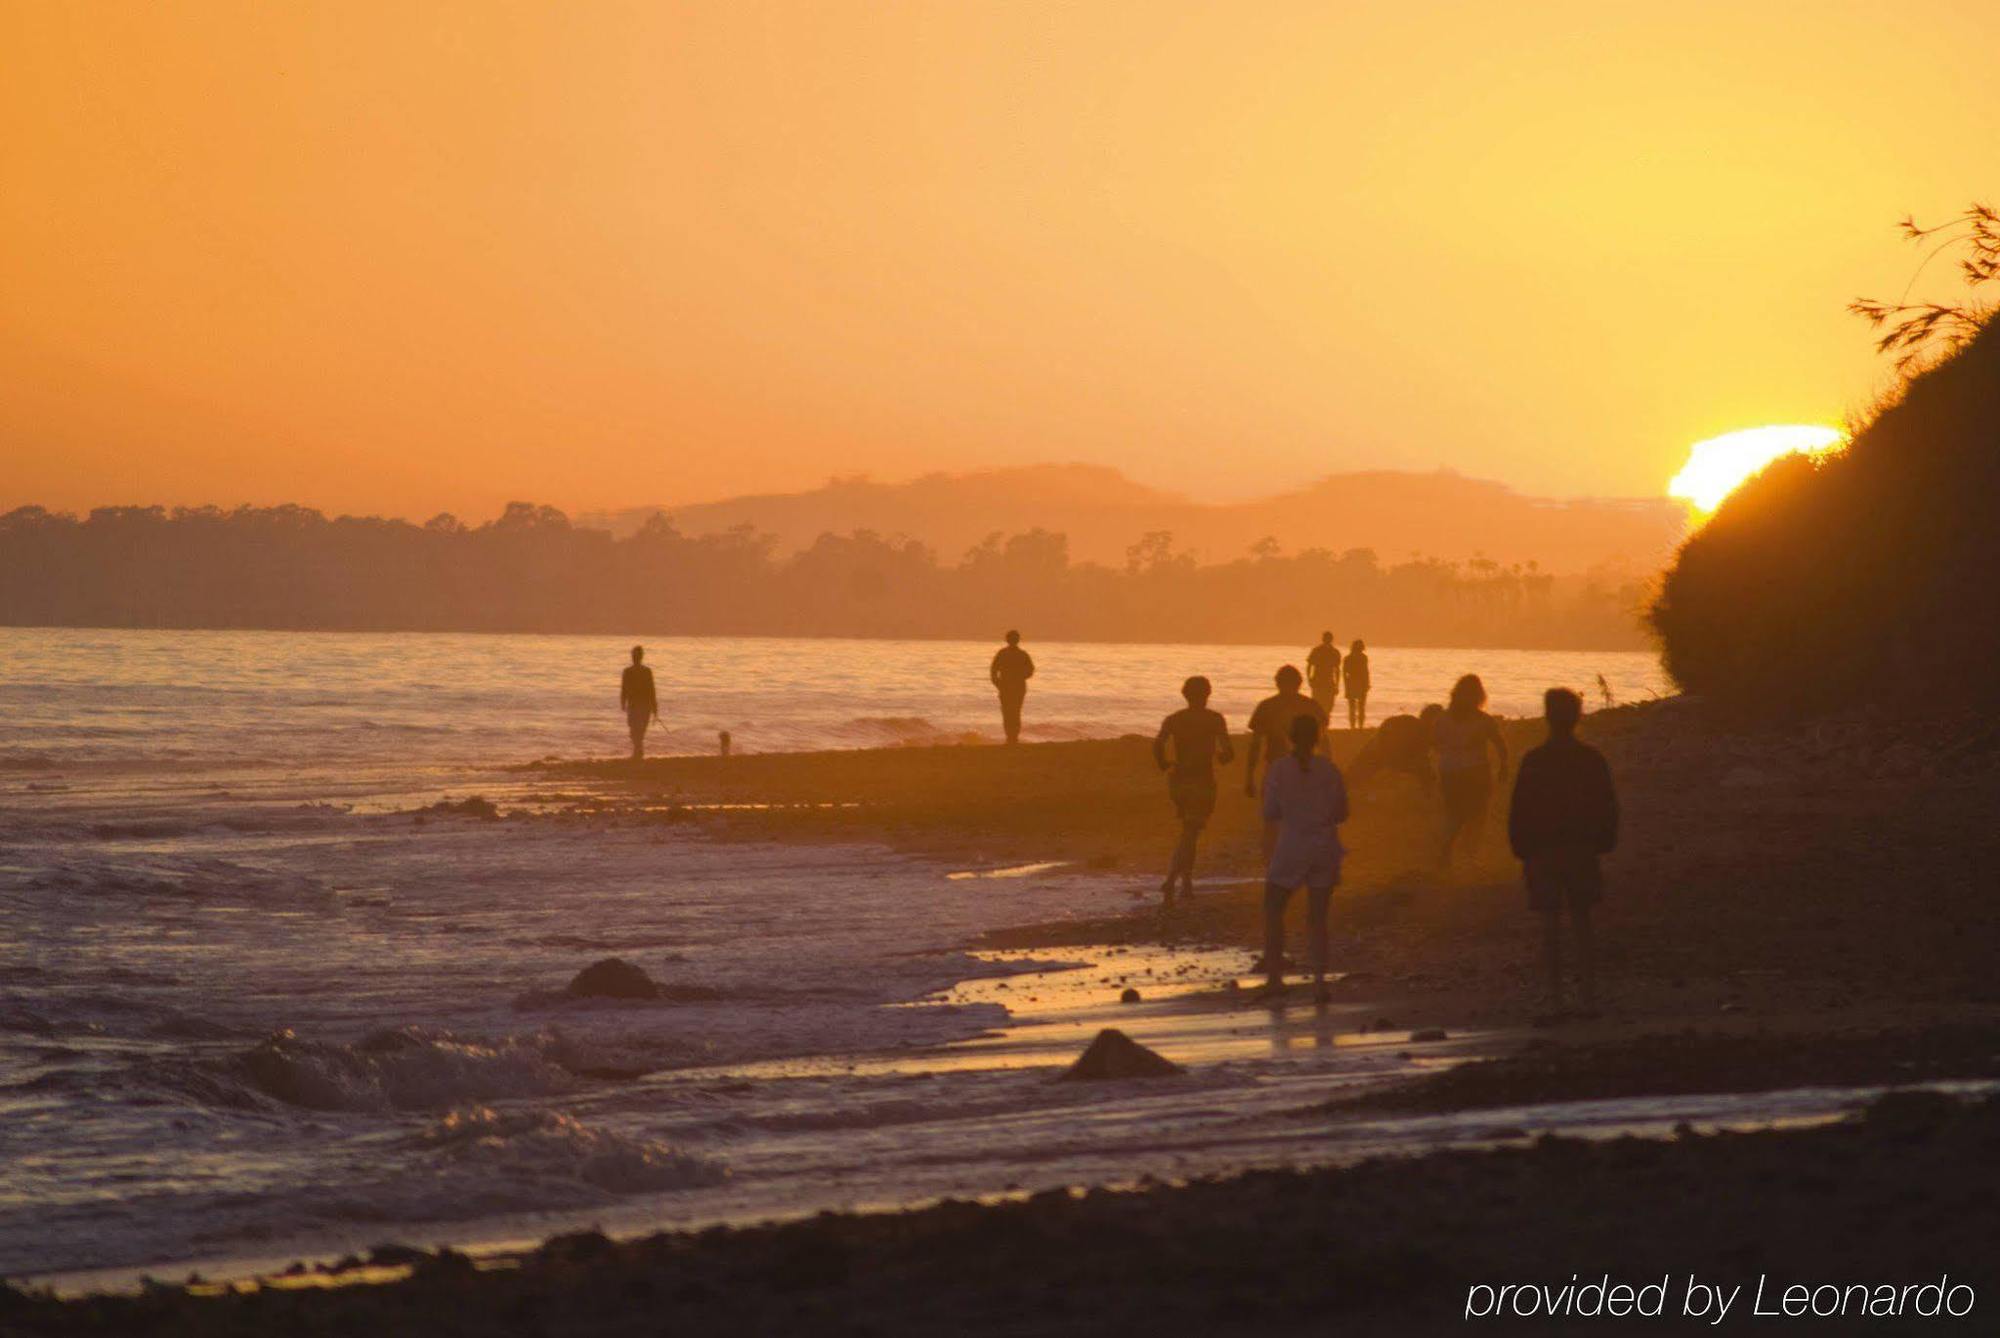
<point x="408" y="257"/>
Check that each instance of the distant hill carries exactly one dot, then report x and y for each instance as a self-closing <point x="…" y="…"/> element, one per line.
<point x="1103" y="513"/>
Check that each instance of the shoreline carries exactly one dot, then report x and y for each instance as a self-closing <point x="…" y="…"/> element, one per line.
<point x="1388" y="1246"/>
<point x="1727" y="973"/>
<point x="1873" y="913"/>
<point x="1518" y="1086"/>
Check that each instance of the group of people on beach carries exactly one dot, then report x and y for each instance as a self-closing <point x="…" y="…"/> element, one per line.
<point x="1563" y="814"/>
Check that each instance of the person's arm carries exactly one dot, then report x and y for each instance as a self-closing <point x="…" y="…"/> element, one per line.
<point x="1274" y="808"/>
<point x="1250" y="767"/>
<point x="1340" y="809"/>
<point x="1225" y="751"/>
<point x="1608" y="834"/>
<point x="993" y="669"/>
<point x="1027" y="666"/>
<point x="1499" y="743"/>
<point x="624" y="692"/>
<point x="653" y="691"/>
<point x="1520" y="811"/>
<point x="1160" y="744"/>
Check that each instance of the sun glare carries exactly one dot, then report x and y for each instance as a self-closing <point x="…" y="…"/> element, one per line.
<point x="1717" y="466"/>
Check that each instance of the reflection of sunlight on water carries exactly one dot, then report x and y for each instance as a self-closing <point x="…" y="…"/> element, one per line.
<point x="1011" y="871"/>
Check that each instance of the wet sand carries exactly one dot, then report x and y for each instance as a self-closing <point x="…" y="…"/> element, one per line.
<point x="1387" y="1247"/>
<point x="1821" y="878"/>
<point x="1788" y="909"/>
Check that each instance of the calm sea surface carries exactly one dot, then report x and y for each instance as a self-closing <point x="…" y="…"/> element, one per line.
<point x="291" y="700"/>
<point x="250" y="1007"/>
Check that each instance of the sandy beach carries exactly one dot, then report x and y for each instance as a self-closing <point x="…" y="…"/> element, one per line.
<point x="1881" y="1202"/>
<point x="1829" y="875"/>
<point x="1861" y="961"/>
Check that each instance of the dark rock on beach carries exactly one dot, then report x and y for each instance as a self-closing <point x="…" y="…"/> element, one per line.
<point x="612" y="978"/>
<point x="478" y="806"/>
<point x="1115" y="1055"/>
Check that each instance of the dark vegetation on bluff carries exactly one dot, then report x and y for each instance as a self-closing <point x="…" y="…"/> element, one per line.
<point x="1872" y="575"/>
<point x="532" y="570"/>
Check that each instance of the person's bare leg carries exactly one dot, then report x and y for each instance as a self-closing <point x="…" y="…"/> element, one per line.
<point x="1317" y="915"/>
<point x="1274" y="938"/>
<point x="1552" y="960"/>
<point x="1180" y="869"/>
<point x="1586" y="958"/>
<point x="1190" y="840"/>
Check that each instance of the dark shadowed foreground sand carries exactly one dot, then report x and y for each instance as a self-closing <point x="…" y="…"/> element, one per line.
<point x="1899" y="1197"/>
<point x="1789" y="908"/>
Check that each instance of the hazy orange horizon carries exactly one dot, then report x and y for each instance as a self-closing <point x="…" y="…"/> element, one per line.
<point x="404" y="259"/>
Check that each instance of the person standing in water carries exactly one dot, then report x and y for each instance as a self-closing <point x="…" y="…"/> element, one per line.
<point x="1357" y="685"/>
<point x="1200" y="739"/>
<point x="1463" y="734"/>
<point x="639" y="700"/>
<point x="1306" y="799"/>
<point x="1323" y="673"/>
<point x="1011" y="669"/>
<point x="1563" y="819"/>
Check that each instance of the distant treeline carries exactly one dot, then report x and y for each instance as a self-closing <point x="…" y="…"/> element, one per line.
<point x="531" y="570"/>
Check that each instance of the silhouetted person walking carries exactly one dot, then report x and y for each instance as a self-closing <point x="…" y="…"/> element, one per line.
<point x="1356" y="670"/>
<point x="1012" y="668"/>
<point x="1323" y="673"/>
<point x="1564" y="817"/>
<point x="1305" y="798"/>
<point x="638" y="699"/>
<point x="1200" y="739"/>
<point x="1463" y="735"/>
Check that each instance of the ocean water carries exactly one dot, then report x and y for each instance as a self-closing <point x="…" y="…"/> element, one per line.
<point x="273" y="700"/>
<point x="251" y="1007"/>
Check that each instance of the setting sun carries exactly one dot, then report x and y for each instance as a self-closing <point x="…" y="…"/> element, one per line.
<point x="1716" y="467"/>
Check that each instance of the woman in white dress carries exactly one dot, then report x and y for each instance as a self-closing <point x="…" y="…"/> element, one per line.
<point x="1306" y="798"/>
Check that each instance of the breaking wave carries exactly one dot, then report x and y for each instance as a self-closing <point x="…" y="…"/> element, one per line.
<point x="409" y="1068"/>
<point x="478" y="1162"/>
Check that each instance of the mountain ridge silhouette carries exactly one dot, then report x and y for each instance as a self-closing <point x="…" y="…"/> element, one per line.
<point x="1103" y="512"/>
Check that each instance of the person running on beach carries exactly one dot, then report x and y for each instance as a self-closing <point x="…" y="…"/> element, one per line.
<point x="1306" y="799"/>
<point x="638" y="699"/>
<point x="1462" y="736"/>
<point x="1563" y="819"/>
<point x="1323" y="672"/>
<point x="1201" y="739"/>
<point x="1357" y="685"/>
<point x="1011" y="669"/>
